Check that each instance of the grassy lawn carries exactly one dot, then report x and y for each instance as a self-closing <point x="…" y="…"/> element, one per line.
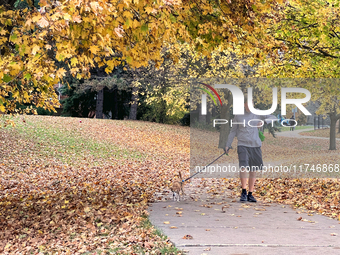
<point x="319" y="133"/>
<point x="68" y="143"/>
<point x="296" y="128"/>
<point x="83" y="185"/>
<point x="72" y="185"/>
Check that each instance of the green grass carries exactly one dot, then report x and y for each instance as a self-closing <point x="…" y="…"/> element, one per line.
<point x="146" y="224"/>
<point x="138" y="249"/>
<point x="296" y="128"/>
<point x="68" y="145"/>
<point x="71" y="145"/>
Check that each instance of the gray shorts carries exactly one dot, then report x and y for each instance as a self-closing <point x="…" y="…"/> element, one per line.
<point x="250" y="157"/>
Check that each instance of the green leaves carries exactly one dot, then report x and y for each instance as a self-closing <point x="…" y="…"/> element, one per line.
<point x="6" y="78"/>
<point x="13" y="37"/>
<point x="129" y="59"/>
<point x="173" y="18"/>
<point x="145" y="27"/>
<point x="27" y="76"/>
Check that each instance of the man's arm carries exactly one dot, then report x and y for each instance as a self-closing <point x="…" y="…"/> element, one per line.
<point x="231" y="136"/>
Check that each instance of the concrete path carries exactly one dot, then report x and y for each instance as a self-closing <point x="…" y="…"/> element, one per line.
<point x="296" y="134"/>
<point x="222" y="225"/>
<point x="215" y="222"/>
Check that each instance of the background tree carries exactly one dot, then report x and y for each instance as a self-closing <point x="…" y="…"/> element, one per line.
<point x="311" y="36"/>
<point x="110" y="32"/>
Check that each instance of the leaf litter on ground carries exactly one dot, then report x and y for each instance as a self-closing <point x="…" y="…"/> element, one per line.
<point x="72" y="187"/>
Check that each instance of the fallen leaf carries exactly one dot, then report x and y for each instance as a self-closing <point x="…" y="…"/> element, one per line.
<point x="260" y="209"/>
<point x="149" y="245"/>
<point x="187" y="237"/>
<point x="7" y="246"/>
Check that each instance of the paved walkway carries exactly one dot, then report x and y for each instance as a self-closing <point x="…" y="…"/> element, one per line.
<point x="222" y="225"/>
<point x="216" y="223"/>
<point x="296" y="134"/>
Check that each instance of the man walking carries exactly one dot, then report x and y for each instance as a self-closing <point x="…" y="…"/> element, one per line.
<point x="248" y="148"/>
<point x="292" y="123"/>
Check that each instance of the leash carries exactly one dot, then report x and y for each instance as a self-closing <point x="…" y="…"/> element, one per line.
<point x="225" y="152"/>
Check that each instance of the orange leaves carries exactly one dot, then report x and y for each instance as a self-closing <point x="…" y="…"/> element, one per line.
<point x="95" y="7"/>
<point x="35" y="49"/>
<point x="79" y="186"/>
<point x="149" y="10"/>
<point x="43" y="22"/>
<point x="96" y="197"/>
<point x="76" y="18"/>
<point x="94" y="49"/>
<point x="119" y="31"/>
<point x="61" y="72"/>
<point x="136" y="30"/>
<point x="127" y="15"/>
<point x="188" y="237"/>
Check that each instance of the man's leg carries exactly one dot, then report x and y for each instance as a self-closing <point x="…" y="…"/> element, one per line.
<point x="251" y="183"/>
<point x="256" y="163"/>
<point x="243" y="164"/>
<point x="243" y="177"/>
<point x="252" y="179"/>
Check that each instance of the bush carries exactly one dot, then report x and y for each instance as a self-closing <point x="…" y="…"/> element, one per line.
<point x="185" y="121"/>
<point x="42" y="111"/>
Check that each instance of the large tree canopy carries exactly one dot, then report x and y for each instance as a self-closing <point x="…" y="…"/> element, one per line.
<point x="84" y="33"/>
<point x="310" y="32"/>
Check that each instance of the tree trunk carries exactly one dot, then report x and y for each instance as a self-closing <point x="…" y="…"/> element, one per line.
<point x="134" y="103"/>
<point x="338" y="126"/>
<point x="115" y="105"/>
<point x="162" y="109"/>
<point x="201" y="118"/>
<point x="208" y="114"/>
<point x="332" y="132"/>
<point x="225" y="128"/>
<point x="99" y="104"/>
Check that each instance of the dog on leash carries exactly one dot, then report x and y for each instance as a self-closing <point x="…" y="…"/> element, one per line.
<point x="177" y="187"/>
